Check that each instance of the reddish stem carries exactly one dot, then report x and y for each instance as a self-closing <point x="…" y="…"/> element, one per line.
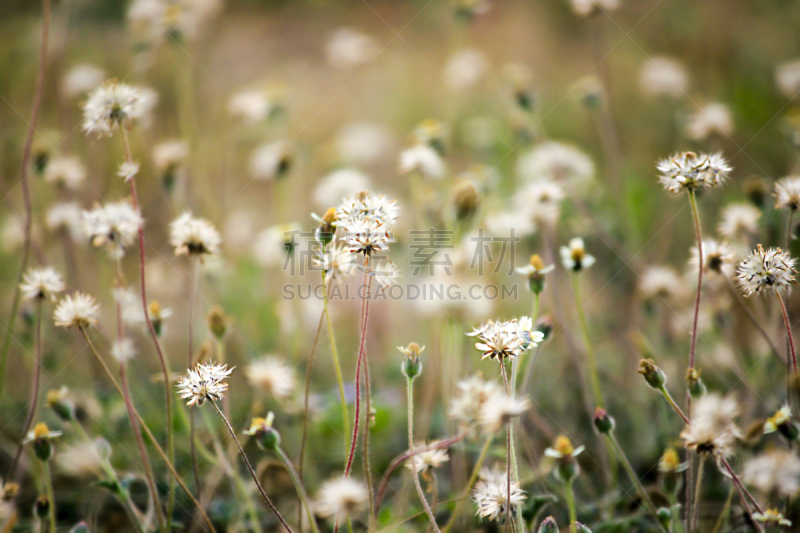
<point x="788" y="333"/>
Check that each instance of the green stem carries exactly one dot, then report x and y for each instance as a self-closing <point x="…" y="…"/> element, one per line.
<point x="595" y="380"/>
<point x="298" y="485"/>
<point x="697" y="488"/>
<point x="634" y="479"/>
<point x="337" y="368"/>
<point x="674" y="405"/>
<point x="570" y="496"/>
<point x="701" y="263"/>
<point x="250" y="467"/>
<point x="512" y="443"/>
<point x="48" y="482"/>
<point x="472" y="478"/>
<point x="414" y="473"/>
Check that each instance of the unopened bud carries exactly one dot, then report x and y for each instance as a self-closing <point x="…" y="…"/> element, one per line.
<point x="653" y="375"/>
<point x="412" y="364"/>
<point x="42" y="506"/>
<point x="61" y="404"/>
<point x="327" y="229"/>
<point x="580" y="528"/>
<point x="697" y="389"/>
<point x="217" y="322"/>
<point x="664" y="516"/>
<point x="549" y="525"/>
<point x="466" y="199"/>
<point x="267" y="437"/>
<point x="545" y="326"/>
<point x="10" y="490"/>
<point x="603" y="422"/>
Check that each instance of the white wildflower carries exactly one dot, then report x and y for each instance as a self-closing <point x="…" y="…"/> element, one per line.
<point x="663" y="76"/>
<point x="204" y="382"/>
<point x="76" y="310"/>
<point x="128" y="170"/>
<point x="574" y="256"/>
<point x="739" y="221"/>
<point x="272" y="375"/>
<point x="424" y="160"/>
<point x="65" y="171"/>
<point x="270" y="161"/>
<point x="341" y="497"/>
<point x="114" y="226"/>
<point x="787" y="193"/>
<point x="348" y="47"/>
<point x="787" y="77"/>
<point x="465" y="69"/>
<point x="193" y="236"/>
<point x="712" y="119"/>
<point x="114" y="104"/>
<point x="492" y="498"/>
<point x="429" y="459"/>
<point x="123" y="350"/>
<point x="774" y="473"/>
<point x="558" y="162"/>
<point x="692" y="172"/>
<point x="499" y="409"/>
<point x="766" y="271"/>
<point x="41" y="284"/>
<point x="81" y="79"/>
<point x="338" y="185"/>
<point x="713" y="428"/>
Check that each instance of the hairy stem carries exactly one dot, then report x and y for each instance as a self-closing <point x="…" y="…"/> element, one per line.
<point x="414" y="473"/>
<point x="788" y="333"/>
<point x="697" y="491"/>
<point x="250" y="467"/>
<point x="674" y="405"/>
<point x="595" y="380"/>
<point x="48" y="483"/>
<point x="298" y="485"/>
<point x="337" y="367"/>
<point x="570" y="496"/>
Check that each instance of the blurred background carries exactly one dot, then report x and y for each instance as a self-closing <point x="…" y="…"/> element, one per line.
<point x="261" y="113"/>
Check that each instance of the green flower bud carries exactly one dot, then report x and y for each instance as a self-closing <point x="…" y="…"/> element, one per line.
<point x="580" y="528"/>
<point x="697" y="389"/>
<point x="545" y="326"/>
<point x="653" y="375"/>
<point x="603" y="422"/>
<point x="548" y="525"/>
<point x="267" y="437"/>
<point x="42" y="506"/>
<point x="59" y="401"/>
<point x="412" y="364"/>
<point x="665" y="517"/>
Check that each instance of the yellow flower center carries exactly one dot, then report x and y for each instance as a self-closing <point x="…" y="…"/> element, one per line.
<point x="41" y="430"/>
<point x="564" y="446"/>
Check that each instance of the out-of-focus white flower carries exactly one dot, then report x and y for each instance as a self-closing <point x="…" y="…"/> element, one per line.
<point x="272" y="245"/>
<point x="505" y="339"/>
<point x="558" y="162"/>
<point x="503" y="222"/>
<point x="76" y="310"/>
<point x="473" y="393"/>
<point x="153" y="20"/>
<point x="574" y="256"/>
<point x="662" y="282"/>
<point x="787" y="77"/>
<point x="712" y="119"/>
<point x="584" y="8"/>
<point x="348" y="47"/>
<point x="204" y="382"/>
<point x="739" y="221"/>
<point x="82" y="460"/>
<point x="41" y="284"/>
<point x="689" y="171"/>
<point x="193" y="236"/>
<point x="717" y="257"/>
<point x="465" y="69"/>
<point x="492" y="500"/>
<point x="427" y="460"/>
<point x="114" y="226"/>
<point x="766" y="271"/>
<point x="385" y="272"/>
<point x="257" y="105"/>
<point x="499" y="409"/>
<point x="541" y="201"/>
<point x="65" y="171"/>
<point x="773" y="518"/>
<point x="338" y="185"/>
<point x="81" y="79"/>
<point x="366" y="207"/>
<point x="363" y="143"/>
<point x="270" y="161"/>
<point x="776" y="472"/>
<point x="342" y="496"/>
<point x="170" y="155"/>
<point x="272" y="375"/>
<point x="787" y="193"/>
<point x="337" y="262"/>
<point x="663" y="76"/>
<point x="128" y="170"/>
<point x="116" y="104"/>
<point x="713" y="428"/>
<point x="424" y="160"/>
<point x="66" y="216"/>
<point x="366" y="236"/>
<point x="123" y="350"/>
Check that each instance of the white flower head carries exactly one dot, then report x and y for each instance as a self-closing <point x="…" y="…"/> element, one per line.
<point x="204" y="382"/>
<point x="367" y="236"/>
<point x="713" y="427"/>
<point x="193" y="236"/>
<point x="424" y="160"/>
<point x="113" y="104"/>
<point x="574" y="256"/>
<point x="774" y="473"/>
<point x="123" y="350"/>
<point x="787" y="193"/>
<point x="773" y="518"/>
<point x="128" y="170"/>
<point x="492" y="500"/>
<point x="499" y="409"/>
<point x="689" y="171"/>
<point x="366" y="207"/>
<point x="429" y="459"/>
<point x="271" y="374"/>
<point x="339" y="184"/>
<point x="465" y="69"/>
<point x="717" y="257"/>
<point x="766" y="271"/>
<point x="270" y="161"/>
<point x="739" y="222"/>
<point x="341" y="497"/>
<point x="662" y="282"/>
<point x="466" y="407"/>
<point x="348" y="47"/>
<point x="66" y="216"/>
<point x="65" y="171"/>
<point x="585" y="8"/>
<point x="663" y="76"/>
<point x="170" y="155"/>
<point x="76" y="310"/>
<point x="81" y="79"/>
<point x="787" y="77"/>
<point x="501" y="340"/>
<point x="114" y="226"/>
<point x="541" y="200"/>
<point x="41" y="284"/>
<point x="711" y="119"/>
<point x="336" y="261"/>
<point x="558" y="162"/>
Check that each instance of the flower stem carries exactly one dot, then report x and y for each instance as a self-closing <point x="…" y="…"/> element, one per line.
<point x="337" y="367"/>
<point x="414" y="473"/>
<point x="744" y="495"/>
<point x="570" y="496"/>
<point x="674" y="405"/>
<point x="788" y="333"/>
<point x="298" y="485"/>
<point x="367" y="467"/>
<point x="472" y="478"/>
<point x="250" y="467"/>
<point x="162" y="361"/>
<point x="33" y="402"/>
<point x="153" y="441"/>
<point x="697" y="490"/>
<point x="192" y="447"/>
<point x="48" y="483"/>
<point x="595" y="380"/>
<point x="753" y="320"/>
<point x="26" y="191"/>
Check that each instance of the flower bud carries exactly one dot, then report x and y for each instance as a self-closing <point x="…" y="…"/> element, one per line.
<point x="548" y="525"/>
<point x="670" y="468"/>
<point x="697" y="388"/>
<point x="653" y="375"/>
<point x="266" y="436"/>
<point x="217" y="322"/>
<point x="81" y="527"/>
<point x="545" y="326"/>
<point x="466" y="199"/>
<point x="155" y="316"/>
<point x="61" y="404"/>
<point x="412" y="364"/>
<point x="10" y="490"/>
<point x="603" y="422"/>
<point x="536" y="276"/>
<point x="664" y="516"/>
<point x="580" y="528"/>
<point x="42" y="506"/>
<point x="327" y="229"/>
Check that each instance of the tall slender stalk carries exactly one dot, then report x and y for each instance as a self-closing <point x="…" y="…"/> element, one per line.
<point x="337" y="367"/>
<point x="789" y="335"/>
<point x="472" y="479"/>
<point x="573" y="516"/>
<point x="697" y="490"/>
<point x="414" y="473"/>
<point x="595" y="380"/>
<point x="26" y="192"/>
<point x="788" y="346"/>
<point x="48" y="483"/>
<point x="250" y="467"/>
<point x="190" y="363"/>
<point x="298" y="485"/>
<point x="153" y="441"/>
<point x="33" y="401"/>
<point x="674" y="405"/>
<point x="162" y="361"/>
<point x="367" y="467"/>
<point x="744" y="495"/>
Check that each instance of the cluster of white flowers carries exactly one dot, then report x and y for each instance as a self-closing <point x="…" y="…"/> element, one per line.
<point x="116" y="104"/>
<point x="482" y="406"/>
<point x="491" y="498"/>
<point x="713" y="427"/>
<point x="766" y="271"/>
<point x="41" y="284"/>
<point x="500" y="340"/>
<point x="204" y="382"/>
<point x="193" y="236"/>
<point x="366" y="221"/>
<point x="272" y="375"/>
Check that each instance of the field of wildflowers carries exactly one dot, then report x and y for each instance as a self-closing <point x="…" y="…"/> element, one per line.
<point x="399" y="266"/>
